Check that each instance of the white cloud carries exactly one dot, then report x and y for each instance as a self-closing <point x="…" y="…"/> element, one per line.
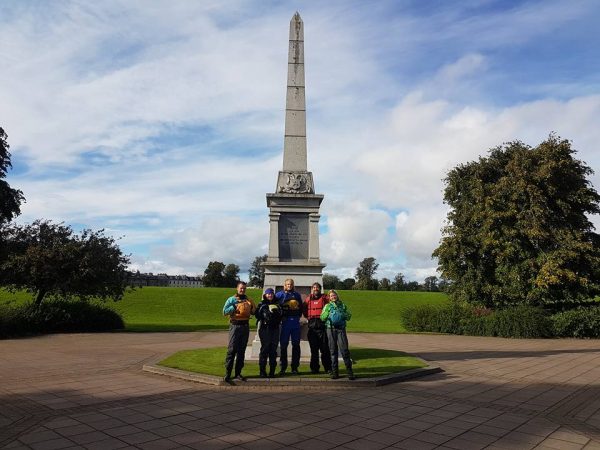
<point x="97" y="102"/>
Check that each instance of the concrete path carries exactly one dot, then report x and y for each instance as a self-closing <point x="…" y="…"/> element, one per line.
<point x="88" y="391"/>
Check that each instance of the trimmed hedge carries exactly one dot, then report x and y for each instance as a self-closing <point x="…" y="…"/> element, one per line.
<point x="57" y="316"/>
<point x="517" y="322"/>
<point x="577" y="323"/>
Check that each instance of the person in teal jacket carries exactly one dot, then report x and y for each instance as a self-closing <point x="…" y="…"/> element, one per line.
<point x="335" y="315"/>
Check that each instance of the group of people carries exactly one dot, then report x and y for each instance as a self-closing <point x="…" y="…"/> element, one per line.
<point x="279" y="321"/>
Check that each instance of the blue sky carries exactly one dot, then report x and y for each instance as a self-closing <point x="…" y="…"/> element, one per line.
<point x="163" y="122"/>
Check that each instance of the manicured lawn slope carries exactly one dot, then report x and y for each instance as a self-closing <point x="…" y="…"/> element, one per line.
<point x="190" y="309"/>
<point x="368" y="362"/>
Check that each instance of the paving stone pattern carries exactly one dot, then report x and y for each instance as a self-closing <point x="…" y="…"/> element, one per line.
<point x="88" y="391"/>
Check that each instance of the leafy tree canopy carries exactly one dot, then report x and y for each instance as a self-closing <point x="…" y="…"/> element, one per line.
<point x="384" y="284"/>
<point x="518" y="228"/>
<point x="331" y="281"/>
<point x="213" y="274"/>
<point x="365" y="273"/>
<point x="398" y="283"/>
<point x="48" y="259"/>
<point x="256" y="273"/>
<point x="10" y="199"/>
<point x="231" y="275"/>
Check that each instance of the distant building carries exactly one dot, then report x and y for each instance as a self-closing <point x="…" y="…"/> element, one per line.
<point x="138" y="279"/>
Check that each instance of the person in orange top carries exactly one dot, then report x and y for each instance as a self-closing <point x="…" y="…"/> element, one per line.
<point x="239" y="308"/>
<point x="317" y="332"/>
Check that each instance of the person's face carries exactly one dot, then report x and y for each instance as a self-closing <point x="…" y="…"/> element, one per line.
<point x="241" y="289"/>
<point x="289" y="285"/>
<point x="333" y="297"/>
<point x="315" y="290"/>
<point x="270" y="296"/>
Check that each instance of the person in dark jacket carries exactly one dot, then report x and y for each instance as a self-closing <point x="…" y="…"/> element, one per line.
<point x="239" y="308"/>
<point x="291" y="306"/>
<point x="317" y="334"/>
<point x="268" y="315"/>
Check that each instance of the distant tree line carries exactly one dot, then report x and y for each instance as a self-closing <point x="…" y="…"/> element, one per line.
<point x="365" y="280"/>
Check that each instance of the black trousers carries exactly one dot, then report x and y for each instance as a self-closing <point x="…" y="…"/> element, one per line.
<point x="317" y="339"/>
<point x="238" y="340"/>
<point x="269" y="340"/>
<point x="338" y="341"/>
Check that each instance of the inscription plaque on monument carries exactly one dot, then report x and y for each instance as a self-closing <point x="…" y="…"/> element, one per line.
<point x="293" y="236"/>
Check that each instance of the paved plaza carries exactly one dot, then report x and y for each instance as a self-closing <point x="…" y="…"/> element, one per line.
<point x="88" y="391"/>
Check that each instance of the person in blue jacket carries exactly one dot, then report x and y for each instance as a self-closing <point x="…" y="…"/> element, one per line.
<point x="291" y="307"/>
<point x="239" y="308"/>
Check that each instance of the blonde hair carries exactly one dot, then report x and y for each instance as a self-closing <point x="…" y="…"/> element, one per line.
<point x="333" y="291"/>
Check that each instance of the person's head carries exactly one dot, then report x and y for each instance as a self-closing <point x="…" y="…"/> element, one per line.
<point x="333" y="295"/>
<point x="241" y="288"/>
<point x="288" y="285"/>
<point x="269" y="294"/>
<point x="315" y="289"/>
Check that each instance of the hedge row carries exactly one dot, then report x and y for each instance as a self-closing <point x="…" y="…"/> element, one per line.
<point x="57" y="316"/>
<point x="516" y="322"/>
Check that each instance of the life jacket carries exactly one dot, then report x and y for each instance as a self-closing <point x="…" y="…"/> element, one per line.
<point x="291" y="307"/>
<point x="315" y="306"/>
<point x="243" y="309"/>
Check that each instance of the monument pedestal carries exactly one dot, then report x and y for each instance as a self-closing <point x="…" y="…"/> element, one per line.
<point x="294" y="240"/>
<point x="253" y="350"/>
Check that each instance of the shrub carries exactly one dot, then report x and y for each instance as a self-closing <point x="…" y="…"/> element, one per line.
<point x="519" y="321"/>
<point x="435" y="318"/>
<point x="577" y="323"/>
<point x="57" y="316"/>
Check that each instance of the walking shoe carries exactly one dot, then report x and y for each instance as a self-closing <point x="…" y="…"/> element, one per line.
<point x="227" y="377"/>
<point x="240" y="377"/>
<point x="334" y="375"/>
<point x="282" y="372"/>
<point x="263" y="375"/>
<point x="272" y="373"/>
<point x="295" y="372"/>
<point x="351" y="375"/>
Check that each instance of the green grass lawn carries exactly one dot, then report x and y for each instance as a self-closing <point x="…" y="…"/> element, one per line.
<point x="368" y="362"/>
<point x="192" y="309"/>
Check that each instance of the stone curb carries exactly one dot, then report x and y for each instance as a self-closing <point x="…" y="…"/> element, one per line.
<point x="294" y="381"/>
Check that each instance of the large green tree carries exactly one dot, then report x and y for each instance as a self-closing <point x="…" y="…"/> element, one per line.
<point x="49" y="259"/>
<point x="365" y="273"/>
<point x="256" y="273"/>
<point x="231" y="275"/>
<point x="213" y="274"/>
<point x="518" y="229"/>
<point x="10" y="199"/>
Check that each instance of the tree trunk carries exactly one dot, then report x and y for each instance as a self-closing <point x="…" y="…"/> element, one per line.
<point x="40" y="296"/>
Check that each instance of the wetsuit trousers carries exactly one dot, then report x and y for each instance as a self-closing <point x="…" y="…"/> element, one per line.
<point x="290" y="330"/>
<point x="317" y="339"/>
<point x="238" y="340"/>
<point x="338" y="342"/>
<point x="269" y="340"/>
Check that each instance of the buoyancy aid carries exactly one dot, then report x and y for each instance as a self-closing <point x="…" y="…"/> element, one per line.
<point x="315" y="306"/>
<point x="243" y="309"/>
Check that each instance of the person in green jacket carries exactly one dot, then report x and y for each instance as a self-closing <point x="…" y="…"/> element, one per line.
<point x="335" y="315"/>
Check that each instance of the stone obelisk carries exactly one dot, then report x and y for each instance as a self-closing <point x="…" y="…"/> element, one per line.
<point x="294" y="207"/>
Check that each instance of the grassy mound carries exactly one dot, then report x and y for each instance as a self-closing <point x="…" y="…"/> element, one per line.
<point x="200" y="309"/>
<point x="368" y="362"/>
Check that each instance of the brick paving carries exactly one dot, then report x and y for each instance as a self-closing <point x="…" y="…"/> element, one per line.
<point x="88" y="391"/>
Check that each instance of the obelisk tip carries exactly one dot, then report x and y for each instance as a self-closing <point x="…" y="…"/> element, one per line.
<point x="296" y="28"/>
